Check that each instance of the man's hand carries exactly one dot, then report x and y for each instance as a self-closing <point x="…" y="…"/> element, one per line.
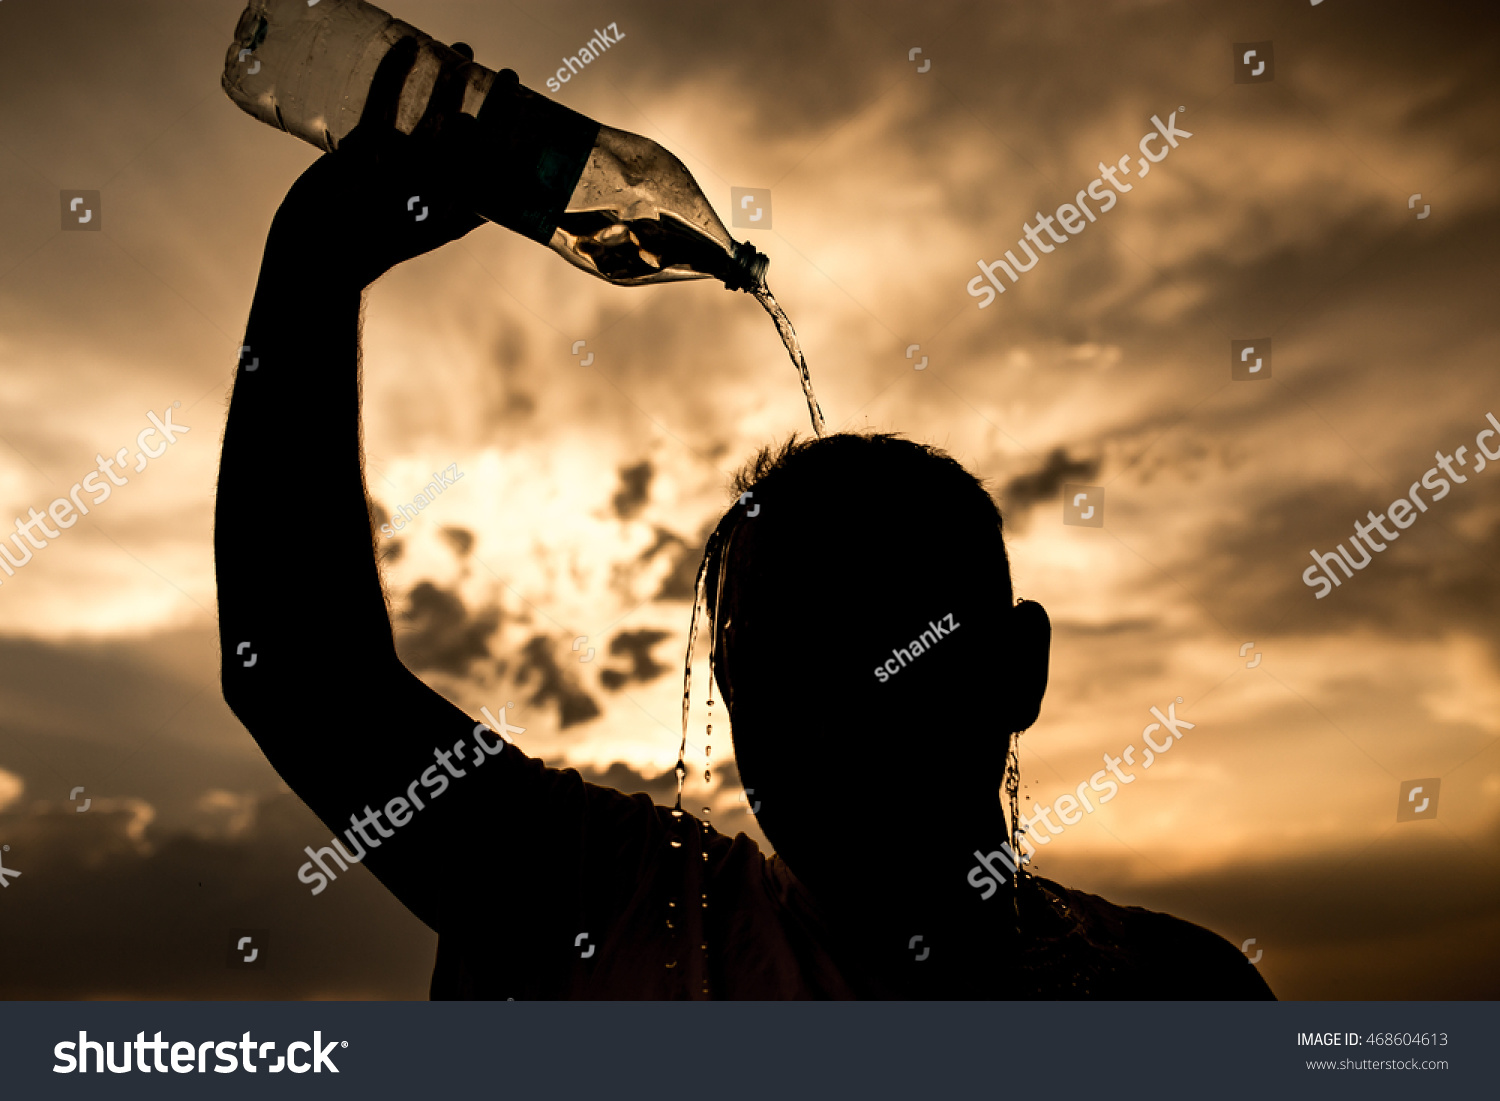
<point x="383" y="196"/>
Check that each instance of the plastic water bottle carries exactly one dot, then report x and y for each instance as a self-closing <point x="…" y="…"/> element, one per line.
<point x="613" y="203"/>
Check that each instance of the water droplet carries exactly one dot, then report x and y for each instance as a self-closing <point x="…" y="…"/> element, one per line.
<point x="708" y="776"/>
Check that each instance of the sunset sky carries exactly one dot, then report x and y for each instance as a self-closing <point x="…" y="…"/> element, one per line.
<point x="1291" y="213"/>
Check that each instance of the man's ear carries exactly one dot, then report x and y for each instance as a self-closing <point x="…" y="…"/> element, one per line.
<point x="1028" y="658"/>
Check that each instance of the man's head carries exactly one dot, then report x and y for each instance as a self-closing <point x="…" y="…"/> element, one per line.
<point x="869" y="650"/>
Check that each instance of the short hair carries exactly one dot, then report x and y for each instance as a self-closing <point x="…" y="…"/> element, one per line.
<point x="856" y="543"/>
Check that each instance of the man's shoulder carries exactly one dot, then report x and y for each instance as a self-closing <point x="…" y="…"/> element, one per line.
<point x="1138" y="953"/>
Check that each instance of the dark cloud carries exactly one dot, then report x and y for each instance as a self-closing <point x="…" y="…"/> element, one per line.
<point x="460" y="539"/>
<point x="687" y="558"/>
<point x="1333" y="924"/>
<point x="621" y="777"/>
<point x="1046" y="482"/>
<point x="504" y="399"/>
<point x="140" y="716"/>
<point x="636" y="645"/>
<point x="634" y="491"/>
<point x="574" y="704"/>
<point x="1107" y="629"/>
<point x="103" y="916"/>
<point x="1440" y="574"/>
<point x="436" y="631"/>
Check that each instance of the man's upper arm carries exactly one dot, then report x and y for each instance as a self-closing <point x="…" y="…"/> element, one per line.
<point x="347" y="745"/>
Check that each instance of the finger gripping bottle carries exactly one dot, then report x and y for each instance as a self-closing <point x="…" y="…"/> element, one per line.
<point x="613" y="203"/>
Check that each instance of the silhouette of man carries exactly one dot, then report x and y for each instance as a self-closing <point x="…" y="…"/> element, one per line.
<point x="878" y="792"/>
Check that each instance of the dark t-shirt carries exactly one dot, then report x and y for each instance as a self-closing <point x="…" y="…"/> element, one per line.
<point x="580" y="894"/>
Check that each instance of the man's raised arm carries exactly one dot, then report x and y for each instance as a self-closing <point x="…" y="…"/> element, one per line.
<point x="304" y="630"/>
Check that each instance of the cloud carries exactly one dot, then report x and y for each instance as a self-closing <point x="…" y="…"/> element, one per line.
<point x="621" y="777"/>
<point x="1334" y="924"/>
<point x="687" y="558"/>
<point x="460" y="539"/>
<point x="635" y="489"/>
<point x="636" y="645"/>
<point x="103" y="916"/>
<point x="1043" y="484"/>
<point x="554" y="684"/>
<point x="436" y="631"/>
<point x="12" y="787"/>
<point x="232" y="813"/>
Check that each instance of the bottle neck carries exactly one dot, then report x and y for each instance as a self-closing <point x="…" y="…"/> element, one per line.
<point x="746" y="268"/>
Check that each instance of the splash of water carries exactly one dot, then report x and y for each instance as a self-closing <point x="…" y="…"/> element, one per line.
<point x="700" y="587"/>
<point x="1013" y="799"/>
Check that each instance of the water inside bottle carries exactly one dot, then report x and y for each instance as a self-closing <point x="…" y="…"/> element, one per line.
<point x="658" y="249"/>
<point x="639" y="250"/>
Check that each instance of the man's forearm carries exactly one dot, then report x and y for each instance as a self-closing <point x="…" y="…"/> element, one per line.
<point x="296" y="571"/>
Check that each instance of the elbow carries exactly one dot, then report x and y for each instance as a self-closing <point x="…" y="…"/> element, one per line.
<point x="245" y="698"/>
<point x="259" y="686"/>
<point x="249" y="683"/>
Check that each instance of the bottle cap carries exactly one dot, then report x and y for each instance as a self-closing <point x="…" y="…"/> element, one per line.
<point x="747" y="271"/>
